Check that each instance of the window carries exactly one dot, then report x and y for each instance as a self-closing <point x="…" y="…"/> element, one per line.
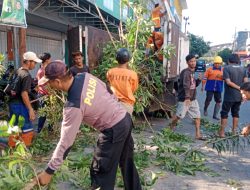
<point x="125" y="12"/>
<point x="109" y="4"/>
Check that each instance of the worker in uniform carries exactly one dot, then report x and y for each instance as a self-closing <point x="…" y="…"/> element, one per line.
<point x="90" y="102"/>
<point x="213" y="82"/>
<point x="154" y="44"/>
<point x="156" y="17"/>
<point x="123" y="80"/>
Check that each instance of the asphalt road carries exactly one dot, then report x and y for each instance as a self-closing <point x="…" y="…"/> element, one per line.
<point x="234" y="169"/>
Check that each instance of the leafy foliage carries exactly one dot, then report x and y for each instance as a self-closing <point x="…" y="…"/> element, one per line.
<point x="2" y="68"/>
<point x="231" y="143"/>
<point x="16" y="168"/>
<point x="175" y="153"/>
<point x="53" y="107"/>
<point x="225" y="53"/>
<point x="43" y="144"/>
<point x="148" y="69"/>
<point x="198" y="45"/>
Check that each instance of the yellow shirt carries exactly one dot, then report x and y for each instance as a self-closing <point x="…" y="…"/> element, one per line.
<point x="124" y="83"/>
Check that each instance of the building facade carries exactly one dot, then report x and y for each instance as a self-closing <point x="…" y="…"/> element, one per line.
<point x="50" y="24"/>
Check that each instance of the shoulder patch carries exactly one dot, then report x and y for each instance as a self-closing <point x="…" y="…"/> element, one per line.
<point x="74" y="94"/>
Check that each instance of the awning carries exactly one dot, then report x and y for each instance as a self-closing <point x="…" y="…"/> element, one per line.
<point x="77" y="12"/>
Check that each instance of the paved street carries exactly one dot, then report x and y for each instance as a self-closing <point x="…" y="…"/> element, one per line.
<point x="233" y="169"/>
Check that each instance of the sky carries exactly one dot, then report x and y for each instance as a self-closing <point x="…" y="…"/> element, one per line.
<point x="217" y="20"/>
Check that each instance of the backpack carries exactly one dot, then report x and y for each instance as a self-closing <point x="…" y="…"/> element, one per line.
<point x="12" y="86"/>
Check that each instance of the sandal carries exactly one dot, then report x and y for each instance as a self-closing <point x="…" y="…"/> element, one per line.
<point x="202" y="138"/>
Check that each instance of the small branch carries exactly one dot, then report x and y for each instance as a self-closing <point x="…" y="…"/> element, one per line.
<point x="100" y="14"/>
<point x="210" y="141"/>
<point x="136" y="34"/>
<point x="149" y="124"/>
<point x="120" y="25"/>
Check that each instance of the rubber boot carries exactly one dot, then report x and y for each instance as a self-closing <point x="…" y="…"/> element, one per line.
<point x="216" y="111"/>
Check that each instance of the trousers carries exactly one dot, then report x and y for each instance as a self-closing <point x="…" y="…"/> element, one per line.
<point x="115" y="147"/>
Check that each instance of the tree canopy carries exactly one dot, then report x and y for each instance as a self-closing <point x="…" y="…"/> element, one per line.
<point x="225" y="54"/>
<point x="197" y="45"/>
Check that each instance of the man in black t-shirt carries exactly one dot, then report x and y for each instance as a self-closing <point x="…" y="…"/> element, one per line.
<point x="234" y="75"/>
<point x="19" y="101"/>
<point x="78" y="66"/>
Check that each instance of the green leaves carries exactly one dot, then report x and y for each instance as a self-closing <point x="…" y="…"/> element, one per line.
<point x="12" y="120"/>
<point x="2" y="57"/>
<point x="2" y="68"/>
<point x="232" y="143"/>
<point x="53" y="108"/>
<point x="21" y="121"/>
<point x="16" y="168"/>
<point x="174" y="153"/>
<point x="149" y="70"/>
<point x="198" y="45"/>
<point x="8" y="128"/>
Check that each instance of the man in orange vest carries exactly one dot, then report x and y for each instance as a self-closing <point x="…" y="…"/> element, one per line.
<point x="156" y="16"/>
<point x="123" y="80"/>
<point x="213" y="82"/>
<point x="154" y="43"/>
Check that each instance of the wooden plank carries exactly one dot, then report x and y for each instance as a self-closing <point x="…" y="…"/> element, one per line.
<point x="174" y="62"/>
<point x="22" y="43"/>
<point x="10" y="47"/>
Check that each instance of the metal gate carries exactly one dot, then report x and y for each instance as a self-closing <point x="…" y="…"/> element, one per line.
<point x="40" y="40"/>
<point x="3" y="43"/>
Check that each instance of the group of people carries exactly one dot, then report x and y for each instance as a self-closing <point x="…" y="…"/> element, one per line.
<point x="232" y="76"/>
<point x="107" y="108"/>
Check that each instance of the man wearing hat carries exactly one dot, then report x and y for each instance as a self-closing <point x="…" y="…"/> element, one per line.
<point x="19" y="103"/>
<point x="89" y="101"/>
<point x="213" y="79"/>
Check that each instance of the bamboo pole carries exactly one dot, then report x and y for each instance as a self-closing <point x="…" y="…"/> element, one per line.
<point x="120" y="25"/>
<point x="100" y="14"/>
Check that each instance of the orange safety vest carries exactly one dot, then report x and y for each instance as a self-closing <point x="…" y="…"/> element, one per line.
<point x="156" y="16"/>
<point x="155" y="41"/>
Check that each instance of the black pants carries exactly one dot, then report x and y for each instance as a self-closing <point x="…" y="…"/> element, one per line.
<point x="216" y="95"/>
<point x="115" y="146"/>
<point x="227" y="106"/>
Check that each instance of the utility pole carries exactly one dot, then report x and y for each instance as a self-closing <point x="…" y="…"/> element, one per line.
<point x="234" y="41"/>
<point x="186" y="22"/>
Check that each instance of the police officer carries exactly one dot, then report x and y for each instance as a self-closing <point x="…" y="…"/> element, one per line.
<point x="90" y="102"/>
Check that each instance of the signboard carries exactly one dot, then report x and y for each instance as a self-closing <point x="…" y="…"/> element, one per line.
<point x="13" y="13"/>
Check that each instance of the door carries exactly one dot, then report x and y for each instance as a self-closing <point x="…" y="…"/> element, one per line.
<point x="74" y="42"/>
